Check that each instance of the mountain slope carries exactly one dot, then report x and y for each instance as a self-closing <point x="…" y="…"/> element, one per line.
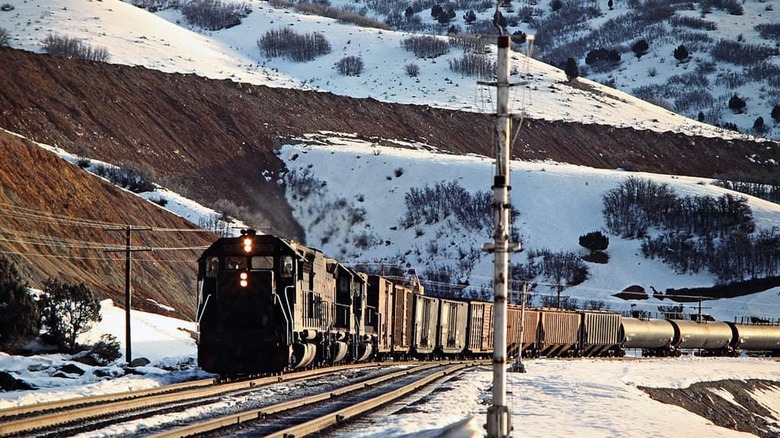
<point x="57" y="220"/>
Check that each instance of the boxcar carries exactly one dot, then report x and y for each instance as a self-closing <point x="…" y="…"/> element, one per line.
<point x="426" y="323"/>
<point x="452" y="326"/>
<point x="480" y="333"/>
<point x="599" y="333"/>
<point x="380" y="311"/>
<point x="559" y="332"/>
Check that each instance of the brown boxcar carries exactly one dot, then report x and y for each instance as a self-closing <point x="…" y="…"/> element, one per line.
<point x="452" y="326"/>
<point x="600" y="333"/>
<point x="559" y="332"/>
<point x="380" y="315"/>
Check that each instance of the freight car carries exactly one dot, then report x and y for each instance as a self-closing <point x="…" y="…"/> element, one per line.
<point x="268" y="304"/>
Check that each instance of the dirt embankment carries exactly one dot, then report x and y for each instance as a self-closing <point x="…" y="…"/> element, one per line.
<point x="727" y="403"/>
<point x="56" y="220"/>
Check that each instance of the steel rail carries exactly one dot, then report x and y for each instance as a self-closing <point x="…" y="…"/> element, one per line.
<point x="345" y="414"/>
<point x="255" y="414"/>
<point x="123" y="402"/>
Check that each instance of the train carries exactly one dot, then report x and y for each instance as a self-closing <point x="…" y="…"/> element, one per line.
<point x="267" y="304"/>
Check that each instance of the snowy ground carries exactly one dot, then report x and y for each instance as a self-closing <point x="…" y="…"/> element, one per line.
<point x="555" y="398"/>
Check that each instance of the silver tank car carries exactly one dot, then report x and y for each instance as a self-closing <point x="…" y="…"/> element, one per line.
<point x="648" y="334"/>
<point x="713" y="335"/>
<point x="756" y="337"/>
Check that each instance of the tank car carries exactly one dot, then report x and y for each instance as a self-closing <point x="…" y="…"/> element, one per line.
<point x="756" y="338"/>
<point x="653" y="336"/>
<point x="712" y="337"/>
<point x="266" y="304"/>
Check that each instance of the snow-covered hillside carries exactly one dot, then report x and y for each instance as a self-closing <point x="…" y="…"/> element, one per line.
<point x="358" y="217"/>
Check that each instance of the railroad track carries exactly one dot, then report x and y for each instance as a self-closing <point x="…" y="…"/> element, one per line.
<point x="289" y="405"/>
<point x="77" y="414"/>
<point x="315" y="413"/>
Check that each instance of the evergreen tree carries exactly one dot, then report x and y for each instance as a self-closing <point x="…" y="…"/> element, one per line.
<point x="68" y="310"/>
<point x="572" y="70"/>
<point x="776" y="113"/>
<point x="681" y="53"/>
<point x="640" y="48"/>
<point x="18" y="311"/>
<point x="701" y="116"/>
<point x="594" y="241"/>
<point x="736" y="104"/>
<point x="758" y="125"/>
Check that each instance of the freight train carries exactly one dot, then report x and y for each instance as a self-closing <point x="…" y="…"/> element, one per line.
<point x="268" y="304"/>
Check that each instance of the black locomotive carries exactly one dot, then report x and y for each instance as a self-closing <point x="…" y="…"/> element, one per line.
<point x="267" y="304"/>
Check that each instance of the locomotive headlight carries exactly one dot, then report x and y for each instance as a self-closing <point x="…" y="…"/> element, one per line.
<point x="247" y="244"/>
<point x="244" y="279"/>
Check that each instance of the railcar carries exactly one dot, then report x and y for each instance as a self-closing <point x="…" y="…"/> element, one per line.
<point x="653" y="336"/>
<point x="711" y="337"/>
<point x="452" y="327"/>
<point x="480" y="333"/>
<point x="559" y="333"/>
<point x="599" y="334"/>
<point x="756" y="338"/>
<point x="266" y="304"/>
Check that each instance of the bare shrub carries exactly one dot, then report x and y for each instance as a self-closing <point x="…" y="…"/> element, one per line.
<point x="285" y="42"/>
<point x="765" y="71"/>
<point x="65" y="47"/>
<point x="693" y="23"/>
<point x="4" y="38"/>
<point x="214" y="224"/>
<point x="730" y="79"/>
<point x="350" y="66"/>
<point x="741" y="53"/>
<point x="412" y="70"/>
<point x="694" y="99"/>
<point x="136" y="178"/>
<point x="471" y="64"/>
<point x="215" y="15"/>
<point x="426" y="46"/>
<point x="769" y="31"/>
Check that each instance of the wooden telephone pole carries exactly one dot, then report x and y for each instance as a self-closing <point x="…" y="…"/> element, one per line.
<point x="128" y="250"/>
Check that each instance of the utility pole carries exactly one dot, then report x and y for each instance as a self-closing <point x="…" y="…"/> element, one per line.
<point x="518" y="366"/>
<point x="498" y="416"/>
<point x="129" y="250"/>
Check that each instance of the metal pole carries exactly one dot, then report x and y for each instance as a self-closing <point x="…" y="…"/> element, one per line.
<point x="498" y="421"/>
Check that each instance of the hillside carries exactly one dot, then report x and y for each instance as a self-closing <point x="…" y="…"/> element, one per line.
<point x="55" y="221"/>
<point x="207" y="138"/>
<point x="217" y="141"/>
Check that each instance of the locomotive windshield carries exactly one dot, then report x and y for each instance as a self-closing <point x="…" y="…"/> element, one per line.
<point x="235" y="262"/>
<point x="262" y="262"/>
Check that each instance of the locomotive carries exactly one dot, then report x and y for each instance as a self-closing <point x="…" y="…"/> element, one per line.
<point x="267" y="304"/>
